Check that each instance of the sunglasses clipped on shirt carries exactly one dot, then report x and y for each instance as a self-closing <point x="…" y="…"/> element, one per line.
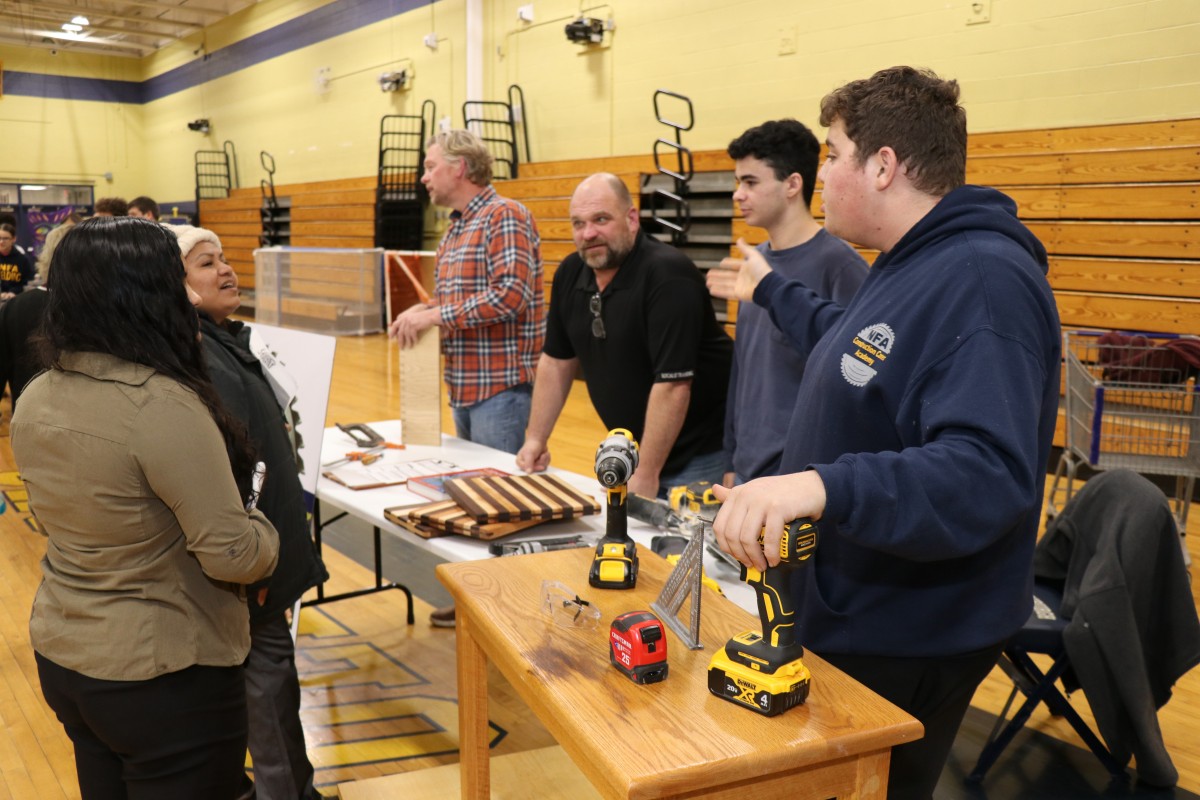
<point x="595" y="304"/>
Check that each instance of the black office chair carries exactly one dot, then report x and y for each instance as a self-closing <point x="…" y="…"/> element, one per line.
<point x="1128" y="649"/>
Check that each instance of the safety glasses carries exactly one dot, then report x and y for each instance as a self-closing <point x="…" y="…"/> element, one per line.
<point x="567" y="608"/>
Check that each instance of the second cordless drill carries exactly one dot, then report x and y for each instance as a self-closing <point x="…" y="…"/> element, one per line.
<point x="764" y="671"/>
<point x="615" y="565"/>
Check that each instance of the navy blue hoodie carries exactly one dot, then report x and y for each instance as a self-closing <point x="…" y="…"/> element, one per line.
<point x="927" y="407"/>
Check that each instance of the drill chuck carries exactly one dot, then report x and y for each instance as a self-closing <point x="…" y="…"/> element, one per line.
<point x="613" y="471"/>
<point x="616" y="458"/>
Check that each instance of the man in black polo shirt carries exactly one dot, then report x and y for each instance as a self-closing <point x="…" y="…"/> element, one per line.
<point x="635" y="314"/>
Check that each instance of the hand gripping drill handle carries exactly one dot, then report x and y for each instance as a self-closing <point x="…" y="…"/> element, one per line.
<point x="776" y="606"/>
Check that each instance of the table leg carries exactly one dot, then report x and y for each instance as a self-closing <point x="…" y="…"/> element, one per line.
<point x="872" y="778"/>
<point x="474" y="770"/>
<point x="380" y="585"/>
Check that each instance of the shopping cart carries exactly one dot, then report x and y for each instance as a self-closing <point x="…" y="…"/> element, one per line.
<point x="1130" y="403"/>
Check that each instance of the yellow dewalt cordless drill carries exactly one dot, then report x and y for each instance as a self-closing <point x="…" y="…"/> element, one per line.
<point x="764" y="671"/>
<point x="615" y="565"/>
<point x="694" y="500"/>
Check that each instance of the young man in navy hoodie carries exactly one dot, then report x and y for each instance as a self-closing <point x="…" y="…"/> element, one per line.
<point x="924" y="419"/>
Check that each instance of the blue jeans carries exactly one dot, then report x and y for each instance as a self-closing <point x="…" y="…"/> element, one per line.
<point x="499" y="421"/>
<point x="705" y="467"/>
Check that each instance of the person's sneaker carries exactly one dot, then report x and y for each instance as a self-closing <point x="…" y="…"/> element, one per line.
<point x="442" y="617"/>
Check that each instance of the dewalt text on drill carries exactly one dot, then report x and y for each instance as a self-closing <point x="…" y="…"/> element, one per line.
<point x="615" y="565"/>
<point x="765" y="671"/>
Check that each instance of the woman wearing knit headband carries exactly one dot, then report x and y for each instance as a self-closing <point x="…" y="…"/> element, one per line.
<point x="282" y="770"/>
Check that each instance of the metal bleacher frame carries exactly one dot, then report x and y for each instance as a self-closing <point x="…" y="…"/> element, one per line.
<point x="399" y="194"/>
<point x="216" y="174"/>
<point x="496" y="122"/>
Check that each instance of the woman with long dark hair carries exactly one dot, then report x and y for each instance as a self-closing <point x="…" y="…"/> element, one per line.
<point x="139" y="479"/>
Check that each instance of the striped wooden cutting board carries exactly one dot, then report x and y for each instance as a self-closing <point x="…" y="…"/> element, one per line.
<point x="445" y="516"/>
<point x="510" y="498"/>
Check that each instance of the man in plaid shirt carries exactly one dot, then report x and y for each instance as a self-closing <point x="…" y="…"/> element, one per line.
<point x="488" y="295"/>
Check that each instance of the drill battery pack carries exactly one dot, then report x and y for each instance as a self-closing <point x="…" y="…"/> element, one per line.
<point x="754" y="683"/>
<point x="615" y="565"/>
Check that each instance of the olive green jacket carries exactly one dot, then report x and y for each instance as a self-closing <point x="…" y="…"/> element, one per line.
<point x="148" y="541"/>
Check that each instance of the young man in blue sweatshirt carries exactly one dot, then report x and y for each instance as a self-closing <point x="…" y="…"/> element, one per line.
<point x="924" y="419"/>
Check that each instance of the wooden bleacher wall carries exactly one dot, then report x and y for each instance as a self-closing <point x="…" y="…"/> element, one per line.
<point x="1117" y="206"/>
<point x="1118" y="209"/>
<point x="338" y="213"/>
<point x="546" y="187"/>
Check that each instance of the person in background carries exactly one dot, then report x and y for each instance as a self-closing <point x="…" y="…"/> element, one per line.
<point x="8" y="218"/>
<point x="143" y="207"/>
<point x="634" y="314"/>
<point x="140" y="480"/>
<point x="488" y="294"/>
<point x="19" y="318"/>
<point x="776" y="169"/>
<point x="282" y="770"/>
<point x="924" y="419"/>
<point x="111" y="207"/>
<point x="15" y="270"/>
<point x="52" y="239"/>
<point x="488" y="299"/>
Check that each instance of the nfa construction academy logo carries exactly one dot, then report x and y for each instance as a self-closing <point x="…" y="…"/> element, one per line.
<point x="871" y="347"/>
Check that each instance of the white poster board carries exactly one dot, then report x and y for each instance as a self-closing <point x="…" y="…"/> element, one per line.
<point x="299" y="366"/>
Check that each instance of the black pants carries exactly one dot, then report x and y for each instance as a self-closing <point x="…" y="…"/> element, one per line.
<point x="181" y="735"/>
<point x="937" y="691"/>
<point x="282" y="770"/>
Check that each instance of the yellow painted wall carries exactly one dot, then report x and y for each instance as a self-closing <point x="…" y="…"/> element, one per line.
<point x="253" y="19"/>
<point x="1034" y="64"/>
<point x="274" y="105"/>
<point x="64" y="62"/>
<point x="71" y="142"/>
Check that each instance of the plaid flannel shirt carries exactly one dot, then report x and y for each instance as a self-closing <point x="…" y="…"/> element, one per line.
<point x="489" y="290"/>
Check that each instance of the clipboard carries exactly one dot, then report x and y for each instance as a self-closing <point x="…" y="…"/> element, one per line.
<point x="386" y="472"/>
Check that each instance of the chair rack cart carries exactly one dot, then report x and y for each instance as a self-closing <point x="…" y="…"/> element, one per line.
<point x="1130" y="403"/>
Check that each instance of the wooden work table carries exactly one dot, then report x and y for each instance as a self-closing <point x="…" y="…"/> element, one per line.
<point x="668" y="739"/>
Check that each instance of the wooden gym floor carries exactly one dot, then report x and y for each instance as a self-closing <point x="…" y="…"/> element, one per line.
<point x="379" y="696"/>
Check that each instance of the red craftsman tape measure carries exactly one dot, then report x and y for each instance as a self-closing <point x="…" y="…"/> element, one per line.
<point x="638" y="646"/>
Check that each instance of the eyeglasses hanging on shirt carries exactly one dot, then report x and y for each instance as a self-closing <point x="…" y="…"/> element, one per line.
<point x="597" y="322"/>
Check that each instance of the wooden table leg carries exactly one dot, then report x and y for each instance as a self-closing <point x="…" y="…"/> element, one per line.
<point x="475" y="779"/>
<point x="871" y="780"/>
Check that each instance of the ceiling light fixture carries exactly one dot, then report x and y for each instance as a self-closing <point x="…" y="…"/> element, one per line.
<point x="81" y="20"/>
<point x="71" y="27"/>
